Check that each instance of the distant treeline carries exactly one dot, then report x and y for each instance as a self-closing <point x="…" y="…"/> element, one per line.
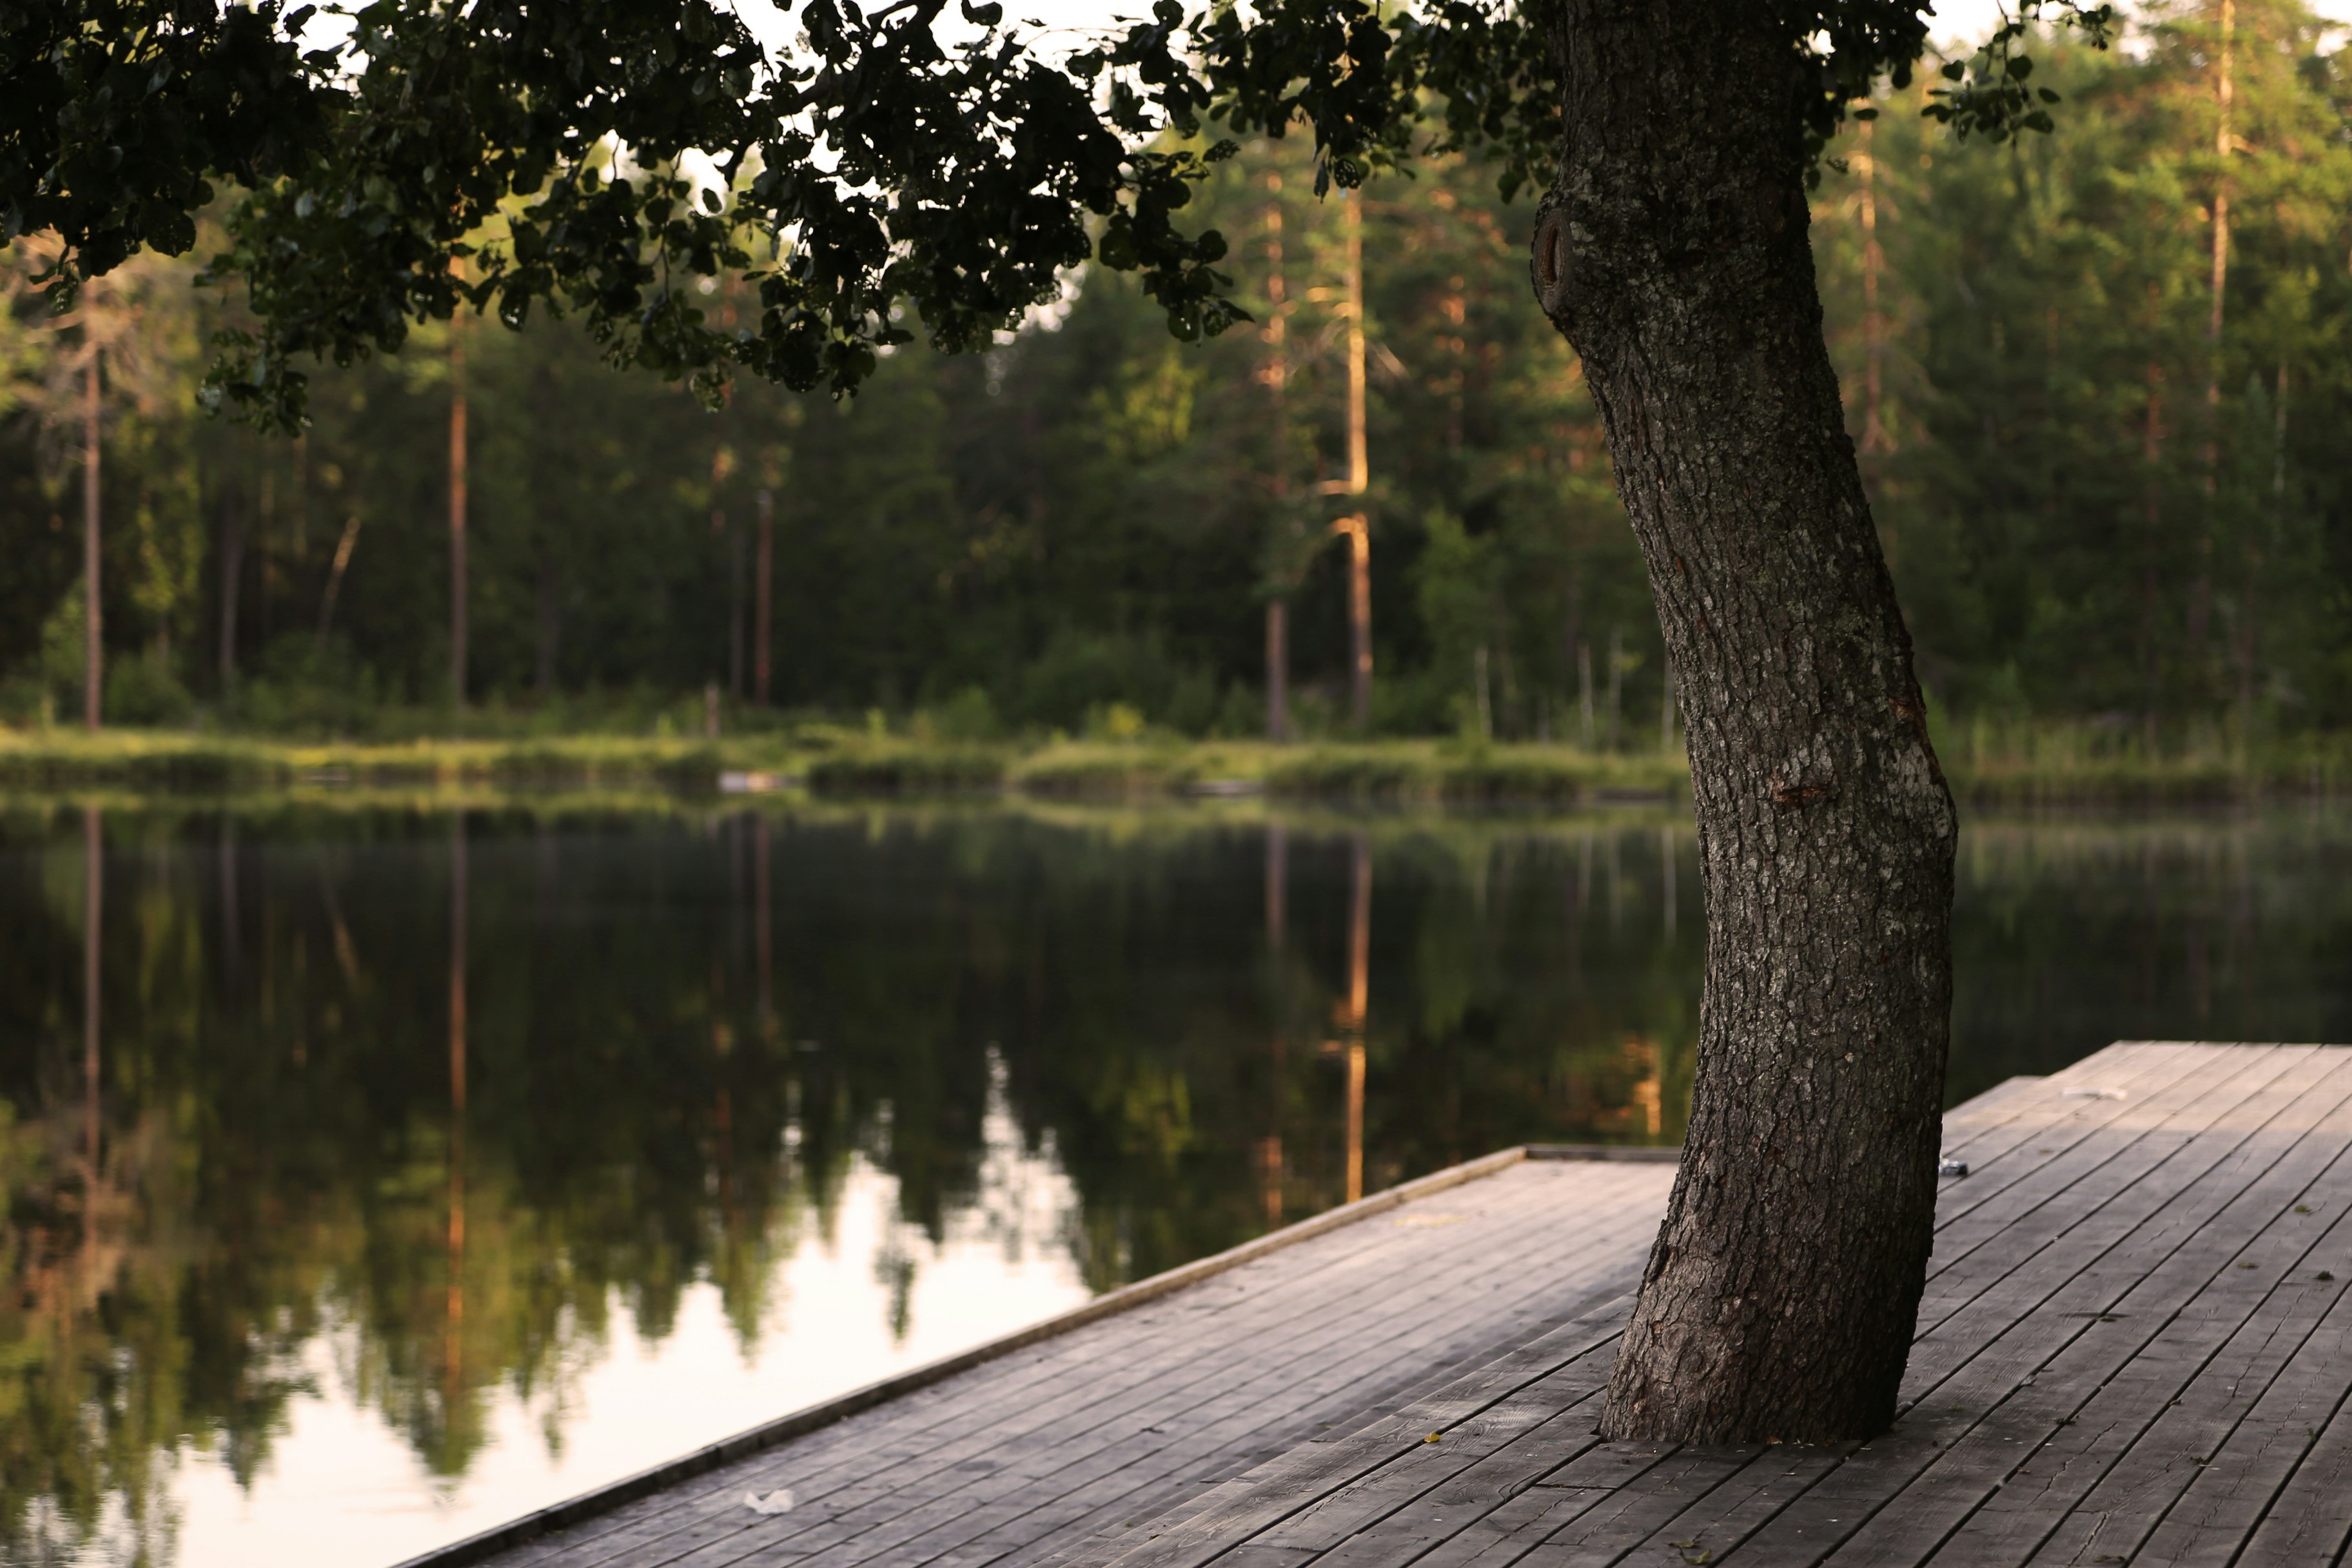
<point x="2096" y="380"/>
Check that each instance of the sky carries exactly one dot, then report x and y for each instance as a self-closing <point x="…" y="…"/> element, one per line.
<point x="1967" y="21"/>
<point x="1970" y="20"/>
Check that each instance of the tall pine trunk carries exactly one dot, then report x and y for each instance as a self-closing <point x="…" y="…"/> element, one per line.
<point x="1780" y="1299"/>
<point x="93" y="623"/>
<point x="232" y="570"/>
<point x="459" y="635"/>
<point x="1276" y="376"/>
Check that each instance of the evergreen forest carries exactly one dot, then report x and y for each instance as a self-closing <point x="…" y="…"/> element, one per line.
<point x="2096" y="380"/>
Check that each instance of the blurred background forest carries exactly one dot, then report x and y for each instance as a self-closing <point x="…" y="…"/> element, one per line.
<point x="2096" y="380"/>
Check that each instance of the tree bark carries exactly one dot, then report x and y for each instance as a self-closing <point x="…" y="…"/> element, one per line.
<point x="763" y="590"/>
<point x="1780" y="1296"/>
<point x="458" y="659"/>
<point x="93" y="641"/>
<point x="232" y="571"/>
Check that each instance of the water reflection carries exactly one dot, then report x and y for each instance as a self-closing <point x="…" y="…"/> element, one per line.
<point x="427" y="1168"/>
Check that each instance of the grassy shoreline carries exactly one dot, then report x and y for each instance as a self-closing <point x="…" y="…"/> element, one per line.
<point x="843" y="763"/>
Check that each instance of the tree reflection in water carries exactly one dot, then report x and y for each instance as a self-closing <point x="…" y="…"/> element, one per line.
<point x="461" y="1099"/>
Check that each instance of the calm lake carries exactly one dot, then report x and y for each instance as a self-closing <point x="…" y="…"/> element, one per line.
<point x="381" y="1175"/>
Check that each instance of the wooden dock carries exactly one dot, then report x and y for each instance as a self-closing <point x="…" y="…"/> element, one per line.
<point x="2132" y="1349"/>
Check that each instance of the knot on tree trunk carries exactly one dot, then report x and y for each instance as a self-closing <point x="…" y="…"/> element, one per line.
<point x="1548" y="266"/>
<point x="1788" y="796"/>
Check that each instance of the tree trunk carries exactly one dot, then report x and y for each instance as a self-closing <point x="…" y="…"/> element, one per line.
<point x="1277" y="670"/>
<point x="457" y="499"/>
<point x="1357" y="527"/>
<point x="764" y="589"/>
<point x="2151" y="453"/>
<point x="1275" y="335"/>
<point x="93" y="656"/>
<point x="1780" y="1296"/>
<point x="2200" y="592"/>
<point x="232" y="570"/>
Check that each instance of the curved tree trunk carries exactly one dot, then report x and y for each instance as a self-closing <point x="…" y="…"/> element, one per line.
<point x="1780" y="1296"/>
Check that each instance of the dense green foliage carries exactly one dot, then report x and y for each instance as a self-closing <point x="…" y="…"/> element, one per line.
<point x="1078" y="528"/>
<point x="1079" y="519"/>
<point x="2094" y="507"/>
<point x="400" y="159"/>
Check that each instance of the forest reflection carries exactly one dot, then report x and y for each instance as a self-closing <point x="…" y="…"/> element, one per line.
<point x="471" y="1086"/>
<point x="463" y="1096"/>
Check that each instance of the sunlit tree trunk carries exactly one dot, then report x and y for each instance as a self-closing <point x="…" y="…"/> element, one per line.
<point x="763" y="590"/>
<point x="93" y="661"/>
<point x="1875" y="438"/>
<point x="2151" y="453"/>
<point x="1276" y="375"/>
<point x="457" y="498"/>
<point x="2249" y="618"/>
<point x="2201" y="592"/>
<point x="1357" y="527"/>
<point x="1780" y="1299"/>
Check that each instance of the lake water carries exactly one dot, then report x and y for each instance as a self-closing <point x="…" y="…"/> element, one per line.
<point x="394" y="1172"/>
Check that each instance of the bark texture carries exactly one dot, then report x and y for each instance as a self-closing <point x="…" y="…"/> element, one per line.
<point x="1780" y="1295"/>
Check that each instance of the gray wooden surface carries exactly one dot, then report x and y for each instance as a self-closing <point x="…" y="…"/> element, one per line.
<point x="2136" y="1346"/>
<point x="1029" y="1458"/>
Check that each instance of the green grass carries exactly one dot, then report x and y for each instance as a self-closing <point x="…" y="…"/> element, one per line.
<point x="906" y="768"/>
<point x="1451" y="773"/>
<point x="1988" y="764"/>
<point x="834" y="761"/>
<point x="168" y="761"/>
<point x="2058" y="763"/>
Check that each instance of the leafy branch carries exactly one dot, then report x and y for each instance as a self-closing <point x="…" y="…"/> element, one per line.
<point x="1989" y="95"/>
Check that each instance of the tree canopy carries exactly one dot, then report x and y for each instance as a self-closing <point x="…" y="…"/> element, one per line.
<point x="1077" y="517"/>
<point x="404" y="157"/>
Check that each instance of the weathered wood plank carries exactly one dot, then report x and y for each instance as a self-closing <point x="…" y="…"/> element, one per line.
<point x="2034" y="1374"/>
<point x="2135" y="1201"/>
<point x="1050" y="1490"/>
<point x="1205" y="1452"/>
<point x="1087" y="1449"/>
<point x="1255" y="1503"/>
<point x="2192" y="1466"/>
<point x="2087" y="1327"/>
<point x="1607" y="1531"/>
<point x="2310" y="1520"/>
<point x="884" y="1489"/>
<point x="1590" y="1476"/>
<point x="1743" y="1503"/>
<point x="1977" y="1244"/>
<point x="1467" y="1460"/>
<point x="979" y="1397"/>
<point x="960" y="1557"/>
<point x="1849" y="1495"/>
<point x="1985" y="1130"/>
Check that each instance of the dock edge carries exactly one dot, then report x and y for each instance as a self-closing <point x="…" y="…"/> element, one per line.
<point x="616" y="1494"/>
